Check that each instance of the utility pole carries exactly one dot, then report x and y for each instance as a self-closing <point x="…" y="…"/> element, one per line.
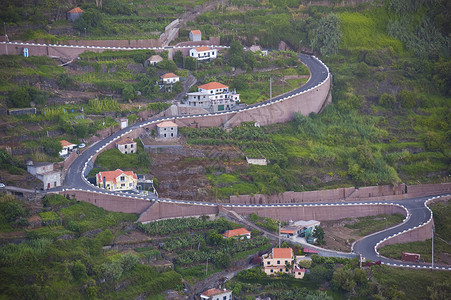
<point x="206" y="268"/>
<point x="6" y="38"/>
<point x="433" y="247"/>
<point x="270" y="88"/>
<point x="279" y="234"/>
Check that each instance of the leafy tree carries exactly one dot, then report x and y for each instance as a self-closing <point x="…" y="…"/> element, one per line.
<point x="128" y="92"/>
<point x="144" y="158"/>
<point x="342" y="279"/>
<point x="20" y="97"/>
<point x="222" y="260"/>
<point x="64" y="80"/>
<point x="112" y="270"/>
<point x="190" y="63"/>
<point x="319" y="234"/>
<point x="81" y="129"/>
<point x="129" y="261"/>
<point x="440" y="290"/>
<point x="12" y="210"/>
<point x="236" y="54"/>
<point x="178" y="58"/>
<point x="167" y="65"/>
<point x="79" y="270"/>
<point x="51" y="146"/>
<point x="327" y="35"/>
<point x="320" y="274"/>
<point x="90" y="20"/>
<point x="406" y="98"/>
<point x="237" y="289"/>
<point x="387" y="100"/>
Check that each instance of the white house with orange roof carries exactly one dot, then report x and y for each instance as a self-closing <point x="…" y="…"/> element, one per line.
<point x="127" y="145"/>
<point x="117" y="180"/>
<point x="213" y="97"/>
<point x="169" y="78"/>
<point x="195" y="35"/>
<point x="167" y="130"/>
<point x="239" y="233"/>
<point x="282" y="260"/>
<point x="203" y="53"/>
<point x="67" y="147"/>
<point x="216" y="294"/>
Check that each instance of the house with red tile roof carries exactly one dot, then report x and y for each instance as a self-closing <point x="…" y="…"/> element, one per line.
<point x="282" y="260"/>
<point x="67" y="147"/>
<point x="127" y="145"/>
<point x="169" y="78"/>
<point x="203" y="53"/>
<point x="240" y="233"/>
<point x="195" y="35"/>
<point x="117" y="180"/>
<point x="213" y="97"/>
<point x="216" y="294"/>
<point x="74" y="14"/>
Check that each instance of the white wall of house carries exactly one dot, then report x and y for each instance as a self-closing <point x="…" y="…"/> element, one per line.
<point x="203" y="55"/>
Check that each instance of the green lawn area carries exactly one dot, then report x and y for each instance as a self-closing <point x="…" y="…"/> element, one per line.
<point x="371" y="224"/>
<point x="113" y="159"/>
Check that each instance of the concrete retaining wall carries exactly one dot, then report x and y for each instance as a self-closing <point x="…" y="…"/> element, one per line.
<point x="110" y="202"/>
<point x="371" y="193"/>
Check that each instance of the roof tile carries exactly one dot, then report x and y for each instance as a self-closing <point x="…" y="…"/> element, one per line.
<point x="213" y="86"/>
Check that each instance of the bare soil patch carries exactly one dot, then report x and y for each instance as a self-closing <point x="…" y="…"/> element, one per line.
<point x="337" y="236"/>
<point x="182" y="172"/>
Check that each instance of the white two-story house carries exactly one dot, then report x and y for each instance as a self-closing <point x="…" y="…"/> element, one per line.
<point x="213" y="97"/>
<point x="203" y="53"/>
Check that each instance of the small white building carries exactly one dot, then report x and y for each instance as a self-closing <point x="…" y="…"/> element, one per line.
<point x="216" y="294"/>
<point x="169" y="78"/>
<point x="124" y="123"/>
<point x="44" y="171"/>
<point x="195" y="35"/>
<point x="213" y="97"/>
<point x="153" y="60"/>
<point x="167" y="130"/>
<point x="203" y="53"/>
<point x="127" y="145"/>
<point x="67" y="147"/>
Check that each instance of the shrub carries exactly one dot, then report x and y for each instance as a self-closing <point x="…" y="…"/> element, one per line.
<point x="12" y="210"/>
<point x="387" y="100"/>
<point x="406" y="98"/>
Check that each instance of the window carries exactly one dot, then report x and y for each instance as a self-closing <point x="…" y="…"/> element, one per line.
<point x="299" y="273"/>
<point x="272" y="271"/>
<point x="122" y="184"/>
<point x="286" y="261"/>
<point x="130" y="184"/>
<point x="278" y="262"/>
<point x="286" y="270"/>
<point x="131" y="146"/>
<point x="224" y="298"/>
<point x="281" y="270"/>
<point x="123" y="177"/>
<point x="268" y="263"/>
<point x="125" y="146"/>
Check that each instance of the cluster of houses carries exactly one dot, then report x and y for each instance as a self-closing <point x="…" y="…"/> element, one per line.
<point x="277" y="262"/>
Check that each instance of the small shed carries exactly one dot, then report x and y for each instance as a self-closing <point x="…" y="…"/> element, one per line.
<point x="74" y="14"/>
<point x="195" y="35"/>
<point x="153" y="60"/>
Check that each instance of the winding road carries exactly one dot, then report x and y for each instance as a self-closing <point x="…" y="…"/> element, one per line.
<point x="418" y="214"/>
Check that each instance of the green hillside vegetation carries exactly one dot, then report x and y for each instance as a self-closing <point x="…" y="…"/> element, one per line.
<point x="65" y="259"/>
